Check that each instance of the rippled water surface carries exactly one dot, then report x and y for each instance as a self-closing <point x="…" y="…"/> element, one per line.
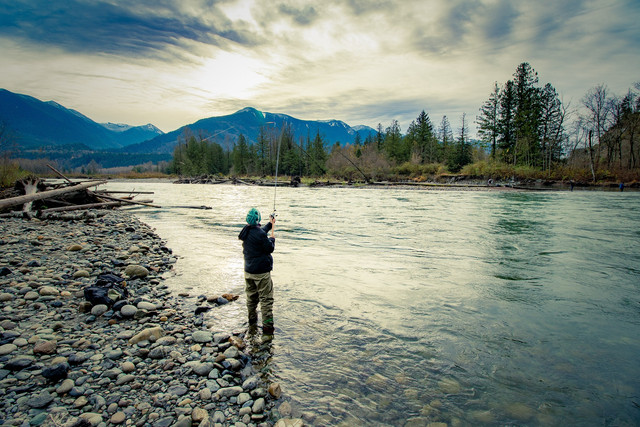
<point x="413" y="306"/>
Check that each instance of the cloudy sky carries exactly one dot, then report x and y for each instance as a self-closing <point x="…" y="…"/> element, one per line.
<point x="172" y="62"/>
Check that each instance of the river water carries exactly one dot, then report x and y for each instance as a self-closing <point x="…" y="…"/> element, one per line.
<point x="403" y="307"/>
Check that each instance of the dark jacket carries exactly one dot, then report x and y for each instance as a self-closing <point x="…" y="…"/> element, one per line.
<point x="257" y="248"/>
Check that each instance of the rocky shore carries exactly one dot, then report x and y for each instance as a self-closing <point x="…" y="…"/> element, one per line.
<point x="144" y="358"/>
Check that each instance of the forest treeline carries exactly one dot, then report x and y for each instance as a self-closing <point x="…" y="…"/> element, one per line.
<point x="524" y="129"/>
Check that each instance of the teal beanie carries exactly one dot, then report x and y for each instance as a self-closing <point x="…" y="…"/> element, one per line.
<point x="253" y="217"/>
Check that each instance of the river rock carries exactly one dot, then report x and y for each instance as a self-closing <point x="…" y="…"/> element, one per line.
<point x="40" y="400"/>
<point x="202" y="336"/>
<point x="45" y="347"/>
<point x="177" y="390"/>
<point x="290" y="422"/>
<point x="5" y="297"/>
<point x="56" y="372"/>
<point x="275" y="390"/>
<point x="229" y="391"/>
<point x="202" y="369"/>
<point x="285" y="409"/>
<point x="258" y="406"/>
<point x="143" y="305"/>
<point x="99" y="310"/>
<point x="118" y="418"/>
<point x="127" y="367"/>
<point x="74" y="248"/>
<point x="65" y="387"/>
<point x="231" y="353"/>
<point x="128" y="310"/>
<point x="7" y="349"/>
<point x="199" y="414"/>
<point x="48" y="291"/>
<point x="31" y="295"/>
<point x="81" y="273"/>
<point x="218" y="417"/>
<point x="135" y="270"/>
<point x="155" y="332"/>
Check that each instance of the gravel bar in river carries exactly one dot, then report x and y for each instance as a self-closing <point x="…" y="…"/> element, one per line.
<point x="147" y="360"/>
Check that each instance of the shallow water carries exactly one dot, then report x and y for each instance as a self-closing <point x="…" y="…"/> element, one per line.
<point x="462" y="307"/>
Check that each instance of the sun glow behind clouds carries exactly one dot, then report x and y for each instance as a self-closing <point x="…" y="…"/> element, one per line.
<point x="229" y="75"/>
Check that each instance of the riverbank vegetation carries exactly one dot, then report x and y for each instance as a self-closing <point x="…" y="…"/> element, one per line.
<point x="525" y="131"/>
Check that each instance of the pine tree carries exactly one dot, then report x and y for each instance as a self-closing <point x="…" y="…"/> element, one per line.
<point x="506" y="139"/>
<point x="461" y="154"/>
<point x="488" y="120"/>
<point x="527" y="114"/>
<point x="446" y="139"/>
<point x="241" y="156"/>
<point x="422" y="140"/>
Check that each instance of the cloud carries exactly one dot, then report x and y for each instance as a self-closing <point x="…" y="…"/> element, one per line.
<point x="129" y="29"/>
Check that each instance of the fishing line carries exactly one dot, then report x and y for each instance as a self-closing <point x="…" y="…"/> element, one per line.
<point x="275" y="187"/>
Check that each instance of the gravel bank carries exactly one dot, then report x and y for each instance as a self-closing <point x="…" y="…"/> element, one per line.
<point x="146" y="360"/>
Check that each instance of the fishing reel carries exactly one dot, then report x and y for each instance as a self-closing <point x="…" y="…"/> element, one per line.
<point x="273" y="215"/>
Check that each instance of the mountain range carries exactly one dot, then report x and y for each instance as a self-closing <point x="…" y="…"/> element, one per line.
<point x="33" y="128"/>
<point x="34" y="124"/>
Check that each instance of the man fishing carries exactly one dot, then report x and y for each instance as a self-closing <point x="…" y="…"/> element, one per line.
<point x="258" y="263"/>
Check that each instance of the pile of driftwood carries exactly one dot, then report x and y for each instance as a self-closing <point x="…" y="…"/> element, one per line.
<point x="48" y="198"/>
<point x="208" y="179"/>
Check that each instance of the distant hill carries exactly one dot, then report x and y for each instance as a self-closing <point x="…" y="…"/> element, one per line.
<point x="33" y="124"/>
<point x="248" y="122"/>
<point x="37" y="129"/>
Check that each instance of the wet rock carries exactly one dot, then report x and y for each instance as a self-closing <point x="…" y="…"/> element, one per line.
<point x="134" y="270"/>
<point x="56" y="373"/>
<point x="146" y="334"/>
<point x="48" y="291"/>
<point x="118" y="418"/>
<point x="7" y="349"/>
<point x="202" y="336"/>
<point x="275" y="390"/>
<point x="99" y="310"/>
<point x="143" y="305"/>
<point x="65" y="387"/>
<point x="45" y="347"/>
<point x="228" y="392"/>
<point x="290" y="422"/>
<point x="40" y="400"/>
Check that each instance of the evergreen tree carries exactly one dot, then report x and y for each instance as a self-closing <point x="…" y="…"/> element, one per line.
<point x="422" y="139"/>
<point x="240" y="156"/>
<point x="318" y="156"/>
<point x="527" y="114"/>
<point x="446" y="139"/>
<point x="488" y="120"/>
<point x="551" y="123"/>
<point x="379" y="137"/>
<point x="507" y="140"/>
<point x="460" y="155"/>
<point x="393" y="145"/>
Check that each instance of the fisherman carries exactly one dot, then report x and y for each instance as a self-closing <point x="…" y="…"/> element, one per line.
<point x="258" y="263"/>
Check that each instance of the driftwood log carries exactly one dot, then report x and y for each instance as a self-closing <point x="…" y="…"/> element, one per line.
<point x="21" y="200"/>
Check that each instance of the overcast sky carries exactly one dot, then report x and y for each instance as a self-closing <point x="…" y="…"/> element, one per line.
<point x="172" y="62"/>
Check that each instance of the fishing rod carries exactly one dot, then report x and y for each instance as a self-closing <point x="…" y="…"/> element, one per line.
<point x="275" y="187"/>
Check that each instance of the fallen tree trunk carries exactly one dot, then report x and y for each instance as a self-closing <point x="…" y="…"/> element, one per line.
<point x="88" y="206"/>
<point x="21" y="200"/>
<point x="129" y="201"/>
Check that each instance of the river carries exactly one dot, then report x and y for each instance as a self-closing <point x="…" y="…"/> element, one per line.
<point x="403" y="307"/>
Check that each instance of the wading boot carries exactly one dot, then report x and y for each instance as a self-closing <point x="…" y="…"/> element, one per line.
<point x="268" y="329"/>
